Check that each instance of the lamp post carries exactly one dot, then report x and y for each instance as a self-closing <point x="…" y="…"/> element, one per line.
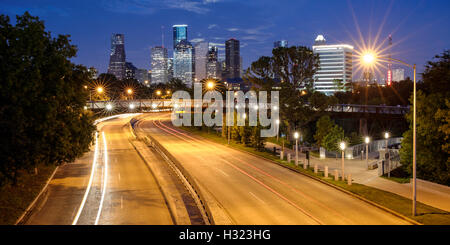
<point x="386" y="136"/>
<point x="296" y="135"/>
<point x="370" y="58"/>
<point x="342" y="147"/>
<point x="278" y="127"/>
<point x="367" y="141"/>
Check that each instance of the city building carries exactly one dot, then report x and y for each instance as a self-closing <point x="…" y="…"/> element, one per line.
<point x="179" y="34"/>
<point x="398" y="75"/>
<point x="169" y="69"/>
<point x="212" y="64"/>
<point x="159" y="65"/>
<point x="335" y="70"/>
<point x="130" y="70"/>
<point x="142" y="75"/>
<point x="232" y="59"/>
<point x="281" y="43"/>
<point x="117" y="57"/>
<point x="201" y="52"/>
<point x="184" y="62"/>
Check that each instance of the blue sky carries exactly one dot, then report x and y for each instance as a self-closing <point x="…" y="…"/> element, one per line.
<point x="420" y="28"/>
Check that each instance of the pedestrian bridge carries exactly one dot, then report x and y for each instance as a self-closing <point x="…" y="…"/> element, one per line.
<point x="159" y="104"/>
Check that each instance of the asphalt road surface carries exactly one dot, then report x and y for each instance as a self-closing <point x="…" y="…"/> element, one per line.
<point x="114" y="188"/>
<point x="254" y="191"/>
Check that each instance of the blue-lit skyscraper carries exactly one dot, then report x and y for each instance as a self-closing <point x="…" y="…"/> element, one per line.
<point x="179" y="34"/>
<point x="184" y="62"/>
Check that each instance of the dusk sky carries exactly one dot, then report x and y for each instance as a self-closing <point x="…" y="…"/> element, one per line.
<point x="420" y="28"/>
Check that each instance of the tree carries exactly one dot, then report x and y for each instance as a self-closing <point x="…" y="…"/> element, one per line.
<point x="323" y="125"/>
<point x="291" y="70"/>
<point x="42" y="99"/>
<point x="333" y="138"/>
<point x="432" y="138"/>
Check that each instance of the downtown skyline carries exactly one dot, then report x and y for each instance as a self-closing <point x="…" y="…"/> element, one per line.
<point x="415" y="26"/>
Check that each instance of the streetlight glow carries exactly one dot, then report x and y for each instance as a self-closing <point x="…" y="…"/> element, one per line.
<point x="368" y="58"/>
<point x="367" y="140"/>
<point x="342" y="145"/>
<point x="109" y="107"/>
<point x="99" y="90"/>
<point x="129" y="91"/>
<point x="386" y="135"/>
<point x="296" y="135"/>
<point x="132" y="106"/>
<point x="210" y="85"/>
<point x="158" y="92"/>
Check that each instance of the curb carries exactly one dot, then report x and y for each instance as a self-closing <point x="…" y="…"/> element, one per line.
<point x="329" y="184"/>
<point x="29" y="210"/>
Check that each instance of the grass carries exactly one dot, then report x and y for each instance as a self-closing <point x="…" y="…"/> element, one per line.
<point x="426" y="214"/>
<point x="14" y="199"/>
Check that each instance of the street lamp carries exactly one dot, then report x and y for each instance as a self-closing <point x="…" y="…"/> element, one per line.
<point x="278" y="127"/>
<point x="210" y="85"/>
<point x="370" y="59"/>
<point x="342" y="147"/>
<point x="296" y="136"/>
<point x="131" y="106"/>
<point x="386" y="136"/>
<point x="158" y="92"/>
<point x="367" y="141"/>
<point x="109" y="107"/>
<point x="99" y="90"/>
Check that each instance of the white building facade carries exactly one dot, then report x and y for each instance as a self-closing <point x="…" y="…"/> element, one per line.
<point x="335" y="69"/>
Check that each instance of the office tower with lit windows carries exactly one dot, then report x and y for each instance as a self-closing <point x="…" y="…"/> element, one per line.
<point x="201" y="52"/>
<point x="335" y="69"/>
<point x="116" y="65"/>
<point x="212" y="64"/>
<point x="232" y="59"/>
<point x="179" y="34"/>
<point x="159" y="65"/>
<point x="130" y="70"/>
<point x="142" y="76"/>
<point x="184" y="62"/>
<point x="398" y="75"/>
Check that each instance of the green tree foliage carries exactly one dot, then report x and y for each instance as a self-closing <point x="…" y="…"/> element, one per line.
<point x="42" y="99"/>
<point x="323" y="127"/>
<point x="331" y="141"/>
<point x="291" y="70"/>
<point x="432" y="124"/>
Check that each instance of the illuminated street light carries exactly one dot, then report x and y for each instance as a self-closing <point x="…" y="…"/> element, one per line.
<point x="296" y="136"/>
<point x="367" y="141"/>
<point x="210" y="85"/>
<point x="99" y="90"/>
<point x="109" y="107"/>
<point x="158" y="92"/>
<point x="370" y="58"/>
<point x="342" y="147"/>
<point x="131" y="106"/>
<point x="154" y="106"/>
<point x="129" y="91"/>
<point x="388" y="159"/>
<point x="168" y="92"/>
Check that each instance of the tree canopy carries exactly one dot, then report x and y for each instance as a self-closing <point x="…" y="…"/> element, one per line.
<point x="42" y="115"/>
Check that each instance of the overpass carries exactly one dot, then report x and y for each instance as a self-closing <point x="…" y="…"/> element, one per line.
<point x="158" y="104"/>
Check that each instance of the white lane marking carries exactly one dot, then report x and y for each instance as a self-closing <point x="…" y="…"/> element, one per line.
<point x="105" y="179"/>
<point x="94" y="162"/>
<point x="257" y="197"/>
<point x="220" y="170"/>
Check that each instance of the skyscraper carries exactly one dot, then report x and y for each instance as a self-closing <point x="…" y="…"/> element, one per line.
<point x="142" y="76"/>
<point x="117" y="57"/>
<point x="212" y="64"/>
<point x="159" y="65"/>
<point x="184" y="62"/>
<point x="335" y="70"/>
<point x="232" y="59"/>
<point x="201" y="52"/>
<point x="179" y="34"/>
<point x="169" y="69"/>
<point x="281" y="43"/>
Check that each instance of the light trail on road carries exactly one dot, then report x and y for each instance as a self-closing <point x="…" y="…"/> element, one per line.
<point x="94" y="162"/>
<point x="105" y="177"/>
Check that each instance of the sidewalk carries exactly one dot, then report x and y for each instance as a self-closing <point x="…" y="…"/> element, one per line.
<point x="427" y="192"/>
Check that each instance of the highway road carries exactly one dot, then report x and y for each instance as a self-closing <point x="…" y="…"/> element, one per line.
<point x="111" y="184"/>
<point x="250" y="190"/>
